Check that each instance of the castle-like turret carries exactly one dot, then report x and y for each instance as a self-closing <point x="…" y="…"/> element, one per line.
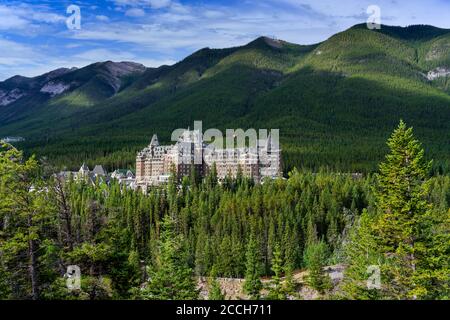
<point x="84" y="170"/>
<point x="155" y="141"/>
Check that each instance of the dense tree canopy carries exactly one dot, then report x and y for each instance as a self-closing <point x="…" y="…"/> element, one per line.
<point x="153" y="246"/>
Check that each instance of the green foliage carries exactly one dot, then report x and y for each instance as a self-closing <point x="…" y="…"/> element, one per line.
<point x="361" y="252"/>
<point x="27" y="217"/>
<point x="215" y="290"/>
<point x="172" y="278"/>
<point x="253" y="285"/>
<point x="315" y="256"/>
<point x="334" y="103"/>
<point x="134" y="245"/>
<point x="405" y="233"/>
<point x="276" y="291"/>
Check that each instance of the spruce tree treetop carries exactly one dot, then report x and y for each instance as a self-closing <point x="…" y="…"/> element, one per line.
<point x="404" y="234"/>
<point x="402" y="174"/>
<point x="401" y="190"/>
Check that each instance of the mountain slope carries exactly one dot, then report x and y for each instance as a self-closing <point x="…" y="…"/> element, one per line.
<point x="334" y="102"/>
<point x="20" y="96"/>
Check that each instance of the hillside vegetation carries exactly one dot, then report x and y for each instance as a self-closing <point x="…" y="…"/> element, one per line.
<point x="131" y="245"/>
<point x="334" y="102"/>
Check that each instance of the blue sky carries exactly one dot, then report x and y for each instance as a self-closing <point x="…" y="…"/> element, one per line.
<point x="34" y="37"/>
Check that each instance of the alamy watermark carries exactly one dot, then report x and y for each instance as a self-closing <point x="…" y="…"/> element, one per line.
<point x="212" y="145"/>
<point x="374" y="19"/>
<point x="374" y="280"/>
<point x="73" y="22"/>
<point x="73" y="278"/>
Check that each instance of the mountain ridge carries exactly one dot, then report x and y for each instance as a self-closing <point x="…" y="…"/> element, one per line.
<point x="358" y="79"/>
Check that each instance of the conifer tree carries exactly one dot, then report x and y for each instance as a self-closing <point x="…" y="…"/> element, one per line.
<point x="315" y="257"/>
<point x="194" y="177"/>
<point x="173" y="182"/>
<point x="202" y="254"/>
<point x="253" y="285"/>
<point x="226" y="258"/>
<point x="408" y="238"/>
<point x="361" y="252"/>
<point x="289" y="284"/>
<point x="276" y="291"/>
<point x="171" y="279"/>
<point x="211" y="179"/>
<point x="289" y="265"/>
<point x="239" y="176"/>
<point x="215" y="290"/>
<point x="30" y="215"/>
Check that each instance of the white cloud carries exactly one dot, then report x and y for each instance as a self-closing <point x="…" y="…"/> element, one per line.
<point x="10" y="20"/>
<point x="23" y="16"/>
<point x="168" y="30"/>
<point x="46" y="17"/>
<point x="26" y="61"/>
<point x="349" y="12"/>
<point x="14" y="53"/>
<point x="102" y="18"/>
<point x="135" y="12"/>
<point x="16" y="58"/>
<point x="189" y="28"/>
<point x="155" y="4"/>
<point x="125" y="2"/>
<point x="158" y="4"/>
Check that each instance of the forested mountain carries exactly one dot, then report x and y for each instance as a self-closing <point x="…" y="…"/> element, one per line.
<point x="131" y="245"/>
<point x="334" y="102"/>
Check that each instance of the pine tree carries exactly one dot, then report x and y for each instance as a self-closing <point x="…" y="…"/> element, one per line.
<point x="215" y="290"/>
<point x="361" y="252"/>
<point x="311" y="232"/>
<point x="202" y="253"/>
<point x="211" y="179"/>
<point x="276" y="291"/>
<point x="194" y="177"/>
<point x="401" y="202"/>
<point x="173" y="182"/>
<point x="289" y="283"/>
<point x="289" y="265"/>
<point x="403" y="232"/>
<point x="30" y="215"/>
<point x="226" y="257"/>
<point x="253" y="285"/>
<point x="171" y="279"/>
<point x="315" y="257"/>
<point x="406" y="226"/>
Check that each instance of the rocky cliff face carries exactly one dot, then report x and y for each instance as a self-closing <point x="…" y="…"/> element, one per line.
<point x="64" y="80"/>
<point x="117" y="70"/>
<point x="233" y="287"/>
<point x="8" y="97"/>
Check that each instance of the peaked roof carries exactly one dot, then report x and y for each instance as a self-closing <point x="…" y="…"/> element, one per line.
<point x="123" y="171"/>
<point x="99" y="170"/>
<point x="84" y="167"/>
<point x="155" y="141"/>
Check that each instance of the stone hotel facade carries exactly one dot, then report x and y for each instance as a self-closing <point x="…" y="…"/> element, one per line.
<point x="155" y="162"/>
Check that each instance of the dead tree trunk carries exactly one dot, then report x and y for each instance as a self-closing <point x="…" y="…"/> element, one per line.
<point x="65" y="214"/>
